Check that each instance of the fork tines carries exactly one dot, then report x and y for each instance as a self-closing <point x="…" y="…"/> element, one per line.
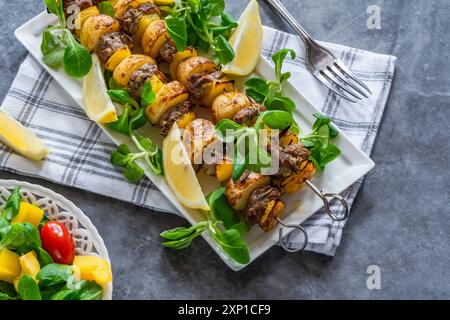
<point x="339" y="79"/>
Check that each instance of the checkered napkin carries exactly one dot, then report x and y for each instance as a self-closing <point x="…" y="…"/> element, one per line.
<point x="80" y="150"/>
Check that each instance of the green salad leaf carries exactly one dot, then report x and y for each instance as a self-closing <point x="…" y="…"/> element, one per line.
<point x="221" y="214"/>
<point x="28" y="288"/>
<point x="318" y="141"/>
<point x="176" y="27"/>
<point x="87" y="290"/>
<point x="59" y="46"/>
<point x="12" y="205"/>
<point x="271" y="93"/>
<point x="54" y="274"/>
<point x="194" y="22"/>
<point x="123" y="97"/>
<point x="106" y="7"/>
<point x="7" y="291"/>
<point x="148" y="95"/>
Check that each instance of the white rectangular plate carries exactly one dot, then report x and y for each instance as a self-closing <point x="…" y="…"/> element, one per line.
<point x="338" y="176"/>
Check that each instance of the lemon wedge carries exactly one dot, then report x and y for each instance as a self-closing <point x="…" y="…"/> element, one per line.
<point x="246" y="41"/>
<point x="96" y="101"/>
<point x="180" y="174"/>
<point x="20" y="139"/>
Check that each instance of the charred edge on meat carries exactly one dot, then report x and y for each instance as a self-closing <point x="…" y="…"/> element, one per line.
<point x="110" y="43"/>
<point x="168" y="51"/>
<point x="173" y="115"/>
<point x="132" y="16"/>
<point x="141" y="76"/>
<point x="258" y="202"/>
<point x="199" y="84"/>
<point x="249" y="115"/>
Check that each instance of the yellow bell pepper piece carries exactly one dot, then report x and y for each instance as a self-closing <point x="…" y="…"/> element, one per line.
<point x="29" y="213"/>
<point x="224" y="171"/>
<point x="156" y="83"/>
<point x="30" y="266"/>
<point x="9" y="265"/>
<point x="186" y="119"/>
<point x="93" y="268"/>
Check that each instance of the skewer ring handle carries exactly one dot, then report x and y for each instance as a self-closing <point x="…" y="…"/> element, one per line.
<point x="281" y="237"/>
<point x="338" y="197"/>
<point x="327" y="198"/>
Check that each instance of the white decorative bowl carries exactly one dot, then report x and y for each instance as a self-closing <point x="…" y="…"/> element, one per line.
<point x="56" y="207"/>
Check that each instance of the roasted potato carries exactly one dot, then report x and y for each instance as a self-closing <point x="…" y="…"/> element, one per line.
<point x="95" y="27"/>
<point x="170" y="95"/>
<point x="201" y="133"/>
<point x="238" y="192"/>
<point x="83" y="16"/>
<point x="228" y="104"/>
<point x="145" y="21"/>
<point x="128" y="66"/>
<point x="216" y="89"/>
<point x="195" y="65"/>
<point x="179" y="57"/>
<point x="154" y="37"/>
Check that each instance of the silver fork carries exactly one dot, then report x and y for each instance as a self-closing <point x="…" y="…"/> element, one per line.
<point x="324" y="65"/>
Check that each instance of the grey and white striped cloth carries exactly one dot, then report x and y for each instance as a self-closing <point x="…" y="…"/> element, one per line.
<point x="80" y="151"/>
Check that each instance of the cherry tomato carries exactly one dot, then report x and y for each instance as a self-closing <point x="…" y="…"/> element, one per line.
<point x="58" y="242"/>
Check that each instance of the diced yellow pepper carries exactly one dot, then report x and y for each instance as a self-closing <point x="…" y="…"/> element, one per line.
<point x="30" y="266"/>
<point x="156" y="83"/>
<point x="224" y="171"/>
<point x="93" y="268"/>
<point x="186" y="119"/>
<point x="9" y="265"/>
<point x="29" y="213"/>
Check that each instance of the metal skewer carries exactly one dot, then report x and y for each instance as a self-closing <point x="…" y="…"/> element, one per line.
<point x="326" y="198"/>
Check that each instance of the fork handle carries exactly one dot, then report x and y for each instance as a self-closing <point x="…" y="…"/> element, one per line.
<point x="278" y="6"/>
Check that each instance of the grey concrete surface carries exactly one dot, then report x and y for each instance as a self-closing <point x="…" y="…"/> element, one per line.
<point x="400" y="220"/>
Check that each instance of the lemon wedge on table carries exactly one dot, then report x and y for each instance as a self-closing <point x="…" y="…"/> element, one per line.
<point x="180" y="174"/>
<point x="96" y="101"/>
<point x="20" y="139"/>
<point x="246" y="41"/>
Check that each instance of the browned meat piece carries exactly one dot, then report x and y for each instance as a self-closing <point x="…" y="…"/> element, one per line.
<point x="131" y="18"/>
<point x="149" y="8"/>
<point x="173" y="115"/>
<point x="110" y="43"/>
<point x="258" y="203"/>
<point x="199" y="84"/>
<point x="290" y="158"/>
<point x="249" y="115"/>
<point x="84" y="4"/>
<point x="264" y="207"/>
<point x="168" y="51"/>
<point x="140" y="77"/>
